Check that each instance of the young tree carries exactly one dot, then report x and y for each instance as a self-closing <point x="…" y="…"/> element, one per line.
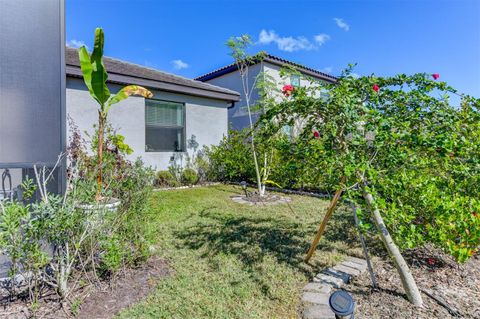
<point x="238" y="47"/>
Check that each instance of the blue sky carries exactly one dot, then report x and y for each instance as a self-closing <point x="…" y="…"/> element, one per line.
<point x="383" y="37"/>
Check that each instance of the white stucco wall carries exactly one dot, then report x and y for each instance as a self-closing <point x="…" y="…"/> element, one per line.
<point x="205" y="118"/>
<point x="237" y="116"/>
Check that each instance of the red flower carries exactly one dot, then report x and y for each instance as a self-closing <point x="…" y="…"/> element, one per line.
<point x="435" y="76"/>
<point x="287" y="89"/>
<point x="315" y="133"/>
<point x="431" y="261"/>
<point x="376" y="88"/>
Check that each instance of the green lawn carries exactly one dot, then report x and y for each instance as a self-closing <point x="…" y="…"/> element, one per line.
<point x="237" y="261"/>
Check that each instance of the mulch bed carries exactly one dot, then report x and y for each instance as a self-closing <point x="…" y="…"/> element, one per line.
<point x="102" y="302"/>
<point x="456" y="285"/>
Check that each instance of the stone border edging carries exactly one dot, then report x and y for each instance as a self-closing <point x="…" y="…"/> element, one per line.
<point x="242" y="200"/>
<point x="316" y="293"/>
<point x="160" y="189"/>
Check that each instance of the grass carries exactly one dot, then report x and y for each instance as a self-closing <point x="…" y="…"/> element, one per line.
<point x="236" y="261"/>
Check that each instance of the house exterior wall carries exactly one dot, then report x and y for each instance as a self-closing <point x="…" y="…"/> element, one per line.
<point x="273" y="71"/>
<point x="205" y="119"/>
<point x="238" y="116"/>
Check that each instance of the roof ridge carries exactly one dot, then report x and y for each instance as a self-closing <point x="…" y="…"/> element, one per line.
<point x="190" y="80"/>
<point x="165" y="72"/>
<point x="301" y="66"/>
<point x="267" y="55"/>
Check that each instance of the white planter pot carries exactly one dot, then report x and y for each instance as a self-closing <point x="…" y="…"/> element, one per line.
<point x="110" y="205"/>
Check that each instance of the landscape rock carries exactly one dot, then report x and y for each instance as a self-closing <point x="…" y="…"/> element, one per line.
<point x="318" y="312"/>
<point x="317" y="287"/>
<point x="348" y="270"/>
<point x="339" y="274"/>
<point x="354" y="265"/>
<point x="316" y="297"/>
<point x="329" y="280"/>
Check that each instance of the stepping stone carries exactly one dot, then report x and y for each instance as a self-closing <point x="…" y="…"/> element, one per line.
<point x="318" y="312"/>
<point x="316" y="297"/>
<point x="357" y="261"/>
<point x="317" y="287"/>
<point x="339" y="274"/>
<point x="347" y="270"/>
<point x="360" y="267"/>
<point x="329" y="280"/>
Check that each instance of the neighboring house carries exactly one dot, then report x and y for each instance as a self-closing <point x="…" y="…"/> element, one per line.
<point x="182" y="115"/>
<point x="229" y="77"/>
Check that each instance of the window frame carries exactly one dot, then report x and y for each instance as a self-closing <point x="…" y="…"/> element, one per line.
<point x="184" y="129"/>
<point x="296" y="76"/>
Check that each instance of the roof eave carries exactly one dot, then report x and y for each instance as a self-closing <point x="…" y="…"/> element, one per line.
<point x="74" y="71"/>
<point x="311" y="73"/>
<point x="233" y="67"/>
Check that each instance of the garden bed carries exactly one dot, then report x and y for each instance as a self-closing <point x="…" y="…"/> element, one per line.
<point x="458" y="286"/>
<point x="100" y="301"/>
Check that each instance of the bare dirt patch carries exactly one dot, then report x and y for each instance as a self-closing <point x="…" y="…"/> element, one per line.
<point x="456" y="285"/>
<point x="130" y="288"/>
<point x="102" y="302"/>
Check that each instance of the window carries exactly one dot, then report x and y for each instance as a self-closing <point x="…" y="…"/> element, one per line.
<point x="165" y="126"/>
<point x="287" y="130"/>
<point x="295" y="80"/>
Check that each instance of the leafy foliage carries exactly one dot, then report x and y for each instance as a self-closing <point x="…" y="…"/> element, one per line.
<point x="231" y="159"/>
<point x="95" y="77"/>
<point x="400" y="138"/>
<point x="189" y="176"/>
<point x="165" y="179"/>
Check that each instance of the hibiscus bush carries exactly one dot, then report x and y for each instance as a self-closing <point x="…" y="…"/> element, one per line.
<point x="399" y="138"/>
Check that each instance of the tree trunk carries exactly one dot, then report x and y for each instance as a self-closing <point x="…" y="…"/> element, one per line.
<point x="101" y="128"/>
<point x="257" y="170"/>
<point x="406" y="277"/>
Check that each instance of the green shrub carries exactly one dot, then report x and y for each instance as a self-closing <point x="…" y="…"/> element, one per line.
<point x="125" y="240"/>
<point x="231" y="160"/>
<point x="128" y="243"/>
<point x="202" y="165"/>
<point x="164" y="179"/>
<point x="189" y="176"/>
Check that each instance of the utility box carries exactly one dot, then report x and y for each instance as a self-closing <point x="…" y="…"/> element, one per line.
<point x="32" y="89"/>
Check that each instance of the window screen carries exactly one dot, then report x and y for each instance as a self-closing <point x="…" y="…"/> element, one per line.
<point x="295" y="80"/>
<point x="165" y="126"/>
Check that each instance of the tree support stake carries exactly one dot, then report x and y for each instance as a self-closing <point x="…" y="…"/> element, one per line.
<point x="323" y="225"/>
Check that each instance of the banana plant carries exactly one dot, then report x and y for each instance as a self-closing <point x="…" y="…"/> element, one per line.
<point x="95" y="77"/>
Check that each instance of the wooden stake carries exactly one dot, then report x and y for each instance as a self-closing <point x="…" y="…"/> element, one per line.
<point x="323" y="225"/>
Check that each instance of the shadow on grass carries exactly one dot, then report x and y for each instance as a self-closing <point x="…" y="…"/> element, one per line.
<point x="251" y="239"/>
